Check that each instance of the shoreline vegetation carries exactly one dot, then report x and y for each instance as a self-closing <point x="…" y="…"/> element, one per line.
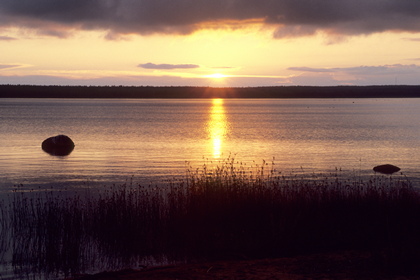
<point x="35" y="91"/>
<point x="223" y="212"/>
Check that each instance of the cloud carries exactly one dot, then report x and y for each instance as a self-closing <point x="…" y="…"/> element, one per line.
<point x="361" y="75"/>
<point x="294" y="31"/>
<point x="224" y="67"/>
<point x="303" y="78"/>
<point x="309" y="69"/>
<point x="291" y="18"/>
<point x="101" y="81"/>
<point x="168" y="66"/>
<point x="6" y="38"/>
<point x="139" y="81"/>
<point x="364" y="70"/>
<point x="7" y="66"/>
<point x="413" y="39"/>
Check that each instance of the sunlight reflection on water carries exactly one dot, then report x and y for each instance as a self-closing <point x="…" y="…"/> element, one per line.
<point x="217" y="126"/>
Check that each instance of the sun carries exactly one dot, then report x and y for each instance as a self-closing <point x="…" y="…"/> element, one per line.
<point x="217" y="76"/>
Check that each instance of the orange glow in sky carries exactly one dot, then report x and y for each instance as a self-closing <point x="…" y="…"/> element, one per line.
<point x="216" y="76"/>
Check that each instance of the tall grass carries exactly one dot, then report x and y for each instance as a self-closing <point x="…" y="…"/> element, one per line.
<point x="48" y="232"/>
<point x="228" y="210"/>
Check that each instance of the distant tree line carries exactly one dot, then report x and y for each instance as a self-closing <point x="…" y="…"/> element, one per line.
<point x="33" y="91"/>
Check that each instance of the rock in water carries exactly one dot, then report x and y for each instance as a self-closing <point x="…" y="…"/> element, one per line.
<point x="386" y="168"/>
<point x="60" y="145"/>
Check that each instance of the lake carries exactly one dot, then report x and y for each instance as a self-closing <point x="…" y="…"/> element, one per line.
<point x="153" y="140"/>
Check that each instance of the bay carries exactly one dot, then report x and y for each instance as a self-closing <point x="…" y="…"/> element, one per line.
<point x="149" y="141"/>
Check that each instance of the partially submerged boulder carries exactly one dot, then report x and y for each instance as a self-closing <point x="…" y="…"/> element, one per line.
<point x="386" y="168"/>
<point x="60" y="145"/>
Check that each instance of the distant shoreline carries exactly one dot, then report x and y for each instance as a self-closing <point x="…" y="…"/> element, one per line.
<point x="33" y="91"/>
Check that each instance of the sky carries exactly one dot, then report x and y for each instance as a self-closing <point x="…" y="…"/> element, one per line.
<point x="236" y="43"/>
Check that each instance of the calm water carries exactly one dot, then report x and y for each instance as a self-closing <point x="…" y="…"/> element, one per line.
<point x="150" y="140"/>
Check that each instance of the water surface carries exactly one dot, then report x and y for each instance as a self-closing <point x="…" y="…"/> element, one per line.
<point x="150" y="140"/>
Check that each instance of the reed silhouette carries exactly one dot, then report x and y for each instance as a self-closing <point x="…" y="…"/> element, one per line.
<point x="224" y="211"/>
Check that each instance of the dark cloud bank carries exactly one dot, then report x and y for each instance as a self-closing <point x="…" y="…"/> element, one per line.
<point x="289" y="17"/>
